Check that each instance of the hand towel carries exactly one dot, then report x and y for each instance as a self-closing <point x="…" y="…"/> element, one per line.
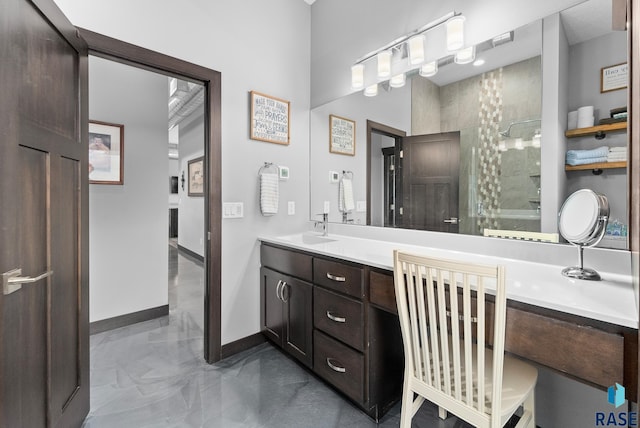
<point x="269" y="193"/>
<point x="583" y="154"/>
<point x="586" y="160"/>
<point x="617" y="150"/>
<point x="617" y="157"/>
<point x="345" y="197"/>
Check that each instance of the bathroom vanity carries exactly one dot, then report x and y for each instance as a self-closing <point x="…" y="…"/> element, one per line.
<point x="330" y="303"/>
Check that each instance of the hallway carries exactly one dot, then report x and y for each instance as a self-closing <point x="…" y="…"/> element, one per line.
<point x="152" y="374"/>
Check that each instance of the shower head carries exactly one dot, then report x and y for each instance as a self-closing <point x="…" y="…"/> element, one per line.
<point x="507" y="132"/>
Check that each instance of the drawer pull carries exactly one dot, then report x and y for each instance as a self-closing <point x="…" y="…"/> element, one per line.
<point x="335" y="318"/>
<point x="285" y="286"/>
<point x="461" y="317"/>
<point x="334" y="367"/>
<point x="278" y="290"/>
<point x="336" y="278"/>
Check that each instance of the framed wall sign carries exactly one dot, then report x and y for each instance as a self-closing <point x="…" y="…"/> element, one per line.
<point x="106" y="153"/>
<point x="614" y="77"/>
<point x="195" y="172"/>
<point x="269" y="119"/>
<point x="342" y="135"/>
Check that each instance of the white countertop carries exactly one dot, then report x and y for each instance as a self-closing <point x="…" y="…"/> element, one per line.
<point x="611" y="300"/>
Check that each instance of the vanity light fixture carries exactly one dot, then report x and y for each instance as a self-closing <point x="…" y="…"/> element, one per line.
<point x="398" y="80"/>
<point x="411" y="45"/>
<point x="429" y="69"/>
<point x="455" y="33"/>
<point x="357" y="76"/>
<point x="371" y="90"/>
<point x="384" y="64"/>
<point x="416" y="49"/>
<point x="465" y="56"/>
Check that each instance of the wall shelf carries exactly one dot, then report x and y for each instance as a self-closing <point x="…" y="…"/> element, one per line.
<point x="598" y="131"/>
<point x="596" y="167"/>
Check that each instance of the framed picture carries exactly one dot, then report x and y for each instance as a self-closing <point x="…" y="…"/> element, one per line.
<point x="342" y="138"/>
<point x="106" y="153"/>
<point x="195" y="182"/>
<point x="269" y="119"/>
<point x="614" y="77"/>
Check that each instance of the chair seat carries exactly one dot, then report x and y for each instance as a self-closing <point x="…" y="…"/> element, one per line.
<point x="518" y="381"/>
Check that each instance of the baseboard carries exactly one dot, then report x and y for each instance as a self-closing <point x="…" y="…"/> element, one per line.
<point x="243" y="344"/>
<point x="190" y="253"/>
<point x="128" y="319"/>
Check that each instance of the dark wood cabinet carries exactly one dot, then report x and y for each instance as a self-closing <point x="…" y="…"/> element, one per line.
<point x="286" y="313"/>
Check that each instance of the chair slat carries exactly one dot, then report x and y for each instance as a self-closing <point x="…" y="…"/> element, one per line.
<point x="433" y="332"/>
<point x="468" y="340"/>
<point x="444" y="336"/>
<point x="422" y="279"/>
<point x="481" y="342"/>
<point x="413" y="318"/>
<point x="455" y="333"/>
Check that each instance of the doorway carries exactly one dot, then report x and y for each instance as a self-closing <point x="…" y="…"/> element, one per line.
<point x="118" y="51"/>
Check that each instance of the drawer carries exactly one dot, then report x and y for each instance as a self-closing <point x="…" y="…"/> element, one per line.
<point x="582" y="351"/>
<point x="338" y="316"/>
<point x="339" y="365"/>
<point x="286" y="261"/>
<point x="338" y="276"/>
<point x="382" y="292"/>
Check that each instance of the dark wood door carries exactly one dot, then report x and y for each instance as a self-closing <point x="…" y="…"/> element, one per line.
<point x="271" y="311"/>
<point x="430" y="175"/>
<point x="298" y="299"/>
<point x="44" y="324"/>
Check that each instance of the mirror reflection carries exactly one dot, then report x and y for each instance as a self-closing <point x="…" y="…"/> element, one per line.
<point x="463" y="151"/>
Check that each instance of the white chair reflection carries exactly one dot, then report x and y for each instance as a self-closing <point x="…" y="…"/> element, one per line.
<point x="442" y="362"/>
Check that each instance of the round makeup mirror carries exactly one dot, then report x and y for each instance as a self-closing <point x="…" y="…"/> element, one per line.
<point x="583" y="221"/>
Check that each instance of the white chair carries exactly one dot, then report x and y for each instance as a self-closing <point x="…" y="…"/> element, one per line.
<point x="442" y="362"/>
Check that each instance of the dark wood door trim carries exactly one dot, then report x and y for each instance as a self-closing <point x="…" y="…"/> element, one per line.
<point x="378" y="128"/>
<point x="119" y="51"/>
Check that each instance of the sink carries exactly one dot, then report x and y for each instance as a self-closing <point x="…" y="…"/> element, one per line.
<point x="315" y="239"/>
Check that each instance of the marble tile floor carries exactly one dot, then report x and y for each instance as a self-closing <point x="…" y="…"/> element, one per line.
<point x="152" y="374"/>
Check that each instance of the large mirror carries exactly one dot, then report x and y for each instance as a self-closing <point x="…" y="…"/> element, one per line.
<point x="464" y="151"/>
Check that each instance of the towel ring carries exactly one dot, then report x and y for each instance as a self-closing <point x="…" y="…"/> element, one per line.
<point x="268" y="166"/>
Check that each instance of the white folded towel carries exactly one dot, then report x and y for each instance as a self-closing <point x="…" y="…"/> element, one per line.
<point x="617" y="158"/>
<point x="345" y="197"/>
<point x="617" y="150"/>
<point x="269" y="193"/>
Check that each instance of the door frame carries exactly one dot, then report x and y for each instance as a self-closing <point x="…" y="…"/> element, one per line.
<point x="116" y="50"/>
<point x="378" y="128"/>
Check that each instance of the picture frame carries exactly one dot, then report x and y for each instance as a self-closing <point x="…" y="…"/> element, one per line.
<point x="269" y="119"/>
<point x="195" y="177"/>
<point x="106" y="153"/>
<point x="342" y="135"/>
<point x="614" y="77"/>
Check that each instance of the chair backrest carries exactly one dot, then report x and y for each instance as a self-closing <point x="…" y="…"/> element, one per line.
<point x="522" y="235"/>
<point x="447" y="358"/>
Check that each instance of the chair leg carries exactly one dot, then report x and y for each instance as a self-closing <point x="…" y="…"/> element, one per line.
<point x="530" y="406"/>
<point x="442" y="413"/>
<point x="406" y="413"/>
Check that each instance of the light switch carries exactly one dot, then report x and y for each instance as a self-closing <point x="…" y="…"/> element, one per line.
<point x="361" y="206"/>
<point x="233" y="210"/>
<point x="291" y="207"/>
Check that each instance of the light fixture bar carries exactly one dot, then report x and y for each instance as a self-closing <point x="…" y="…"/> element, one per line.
<point x="429" y="26"/>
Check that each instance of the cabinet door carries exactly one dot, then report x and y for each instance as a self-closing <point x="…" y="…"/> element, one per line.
<point x="298" y="313"/>
<point x="271" y="305"/>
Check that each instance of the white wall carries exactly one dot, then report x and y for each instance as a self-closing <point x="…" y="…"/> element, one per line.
<point x="128" y="225"/>
<point x="191" y="208"/>
<point x="218" y="35"/>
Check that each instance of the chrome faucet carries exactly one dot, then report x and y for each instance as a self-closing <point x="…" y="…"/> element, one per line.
<point x="324" y="223"/>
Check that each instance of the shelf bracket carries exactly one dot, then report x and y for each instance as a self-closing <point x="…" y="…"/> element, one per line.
<point x="600" y="135"/>
<point x="597" y="171"/>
